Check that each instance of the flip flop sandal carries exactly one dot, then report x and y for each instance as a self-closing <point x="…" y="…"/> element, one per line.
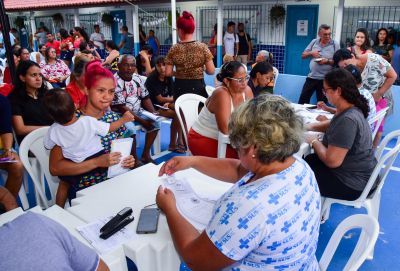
<point x="180" y="150"/>
<point x="172" y="148"/>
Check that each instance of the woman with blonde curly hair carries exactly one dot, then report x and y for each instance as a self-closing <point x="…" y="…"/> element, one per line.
<point x="273" y="206"/>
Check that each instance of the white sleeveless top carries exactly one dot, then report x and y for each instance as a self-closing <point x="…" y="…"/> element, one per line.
<point x="206" y="123"/>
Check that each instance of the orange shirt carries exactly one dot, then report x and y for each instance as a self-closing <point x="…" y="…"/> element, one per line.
<point x="79" y="98"/>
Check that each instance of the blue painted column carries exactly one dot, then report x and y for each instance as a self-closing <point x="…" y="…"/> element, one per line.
<point x="220" y="20"/>
<point x="135" y="22"/>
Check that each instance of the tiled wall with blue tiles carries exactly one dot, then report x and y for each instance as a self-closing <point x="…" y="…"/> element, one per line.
<point x="278" y="52"/>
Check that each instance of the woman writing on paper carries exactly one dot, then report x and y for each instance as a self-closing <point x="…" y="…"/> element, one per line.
<point x="274" y="196"/>
<point x="100" y="86"/>
<point x="344" y="160"/>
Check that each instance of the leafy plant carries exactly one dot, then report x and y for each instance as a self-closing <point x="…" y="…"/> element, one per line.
<point x="107" y="18"/>
<point x="277" y="14"/>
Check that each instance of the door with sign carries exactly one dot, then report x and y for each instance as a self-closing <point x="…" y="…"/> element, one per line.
<point x="301" y="28"/>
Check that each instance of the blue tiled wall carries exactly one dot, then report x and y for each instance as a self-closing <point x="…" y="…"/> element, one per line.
<point x="164" y="49"/>
<point x="278" y="52"/>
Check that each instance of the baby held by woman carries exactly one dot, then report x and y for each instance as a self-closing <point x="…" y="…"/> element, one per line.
<point x="79" y="138"/>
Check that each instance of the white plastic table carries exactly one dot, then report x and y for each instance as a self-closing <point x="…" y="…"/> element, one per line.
<point x="136" y="189"/>
<point x="308" y="117"/>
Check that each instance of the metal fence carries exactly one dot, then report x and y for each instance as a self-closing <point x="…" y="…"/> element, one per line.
<point x="159" y="20"/>
<point x="12" y="18"/>
<point x="371" y="18"/>
<point x="249" y="15"/>
<point x="87" y="21"/>
<point x="255" y="17"/>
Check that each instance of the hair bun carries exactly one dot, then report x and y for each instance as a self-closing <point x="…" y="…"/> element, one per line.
<point x="219" y="77"/>
<point x="187" y="15"/>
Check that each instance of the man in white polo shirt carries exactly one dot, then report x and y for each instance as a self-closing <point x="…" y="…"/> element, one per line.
<point x="97" y="39"/>
<point x="231" y="40"/>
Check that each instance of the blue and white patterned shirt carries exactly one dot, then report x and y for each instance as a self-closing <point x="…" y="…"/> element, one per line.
<point x="271" y="223"/>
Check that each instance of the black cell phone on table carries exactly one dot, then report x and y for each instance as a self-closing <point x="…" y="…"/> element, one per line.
<point x="148" y="220"/>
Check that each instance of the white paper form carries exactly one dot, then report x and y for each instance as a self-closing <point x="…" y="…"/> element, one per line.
<point x="91" y="233"/>
<point x="124" y="146"/>
<point x="196" y="209"/>
<point x="310" y="115"/>
<point x="151" y="115"/>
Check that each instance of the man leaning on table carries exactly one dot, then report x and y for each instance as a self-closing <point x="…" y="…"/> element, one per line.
<point x="321" y="51"/>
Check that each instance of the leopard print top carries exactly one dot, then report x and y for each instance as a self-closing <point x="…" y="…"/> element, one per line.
<point x="189" y="59"/>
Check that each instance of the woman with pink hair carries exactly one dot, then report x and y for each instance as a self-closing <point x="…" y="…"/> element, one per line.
<point x="100" y="85"/>
<point x="190" y="58"/>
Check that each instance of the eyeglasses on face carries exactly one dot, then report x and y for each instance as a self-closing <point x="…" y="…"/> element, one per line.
<point x="325" y="89"/>
<point x="240" y="80"/>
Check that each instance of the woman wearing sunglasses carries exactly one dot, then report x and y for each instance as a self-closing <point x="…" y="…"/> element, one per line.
<point x="215" y="115"/>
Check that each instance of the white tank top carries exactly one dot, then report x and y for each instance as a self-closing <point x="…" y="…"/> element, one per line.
<point x="206" y="124"/>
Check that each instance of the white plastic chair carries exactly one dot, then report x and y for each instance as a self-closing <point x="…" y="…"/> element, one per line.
<point x="49" y="86"/>
<point x="3" y="62"/>
<point x="32" y="56"/>
<point x="276" y="74"/>
<point x="223" y="141"/>
<point x="377" y="120"/>
<point x="2" y="72"/>
<point x="365" y="244"/>
<point x="188" y="104"/>
<point x="34" y="142"/>
<point x="382" y="168"/>
<point x="68" y="80"/>
<point x="210" y="90"/>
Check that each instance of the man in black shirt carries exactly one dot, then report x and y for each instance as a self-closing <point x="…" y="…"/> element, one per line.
<point x="245" y="46"/>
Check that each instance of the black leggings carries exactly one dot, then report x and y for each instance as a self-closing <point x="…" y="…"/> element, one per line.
<point x="185" y="86"/>
<point x="329" y="185"/>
